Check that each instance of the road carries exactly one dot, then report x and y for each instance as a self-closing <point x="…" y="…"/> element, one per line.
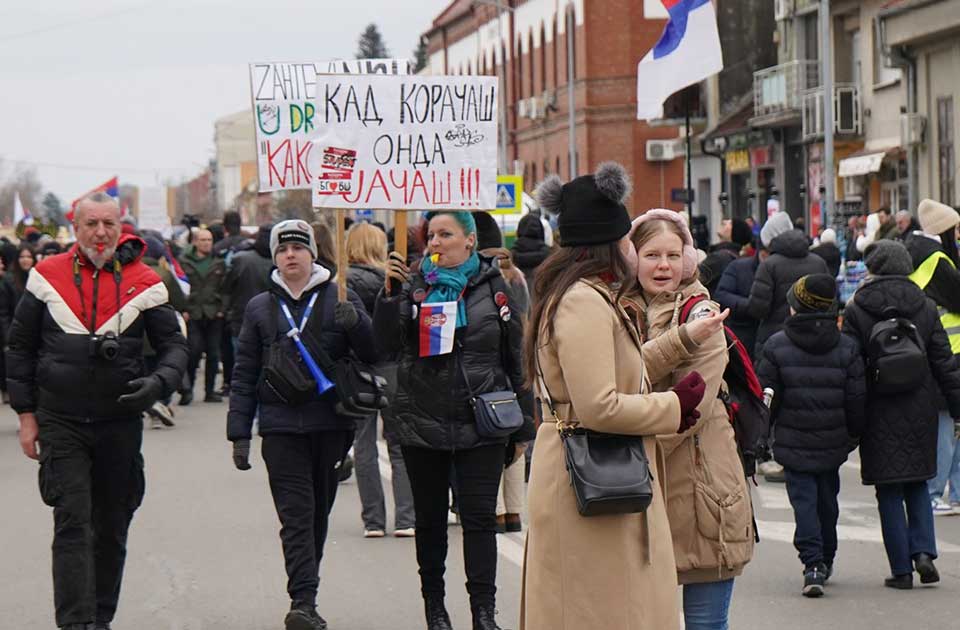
<point x="204" y="554"/>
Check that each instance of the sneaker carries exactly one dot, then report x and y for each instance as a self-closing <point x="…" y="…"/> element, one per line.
<point x="772" y="472"/>
<point x="213" y="397"/>
<point x="405" y="532"/>
<point x="185" y="398"/>
<point x="345" y="470"/>
<point x="304" y="617"/>
<point x="163" y="413"/>
<point x="155" y="423"/>
<point x="942" y="508"/>
<point x="814" y="577"/>
<point x="374" y="533"/>
<point x="923" y="563"/>
<point x="828" y="571"/>
<point x="901" y="582"/>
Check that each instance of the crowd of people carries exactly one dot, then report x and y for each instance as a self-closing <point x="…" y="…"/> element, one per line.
<point x="478" y="365"/>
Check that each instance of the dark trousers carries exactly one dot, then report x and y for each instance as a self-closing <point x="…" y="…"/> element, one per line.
<point x="813" y="497"/>
<point x="92" y="476"/>
<point x="906" y="534"/>
<point x="204" y="338"/>
<point x="303" y="480"/>
<point x="226" y="353"/>
<point x="478" y="473"/>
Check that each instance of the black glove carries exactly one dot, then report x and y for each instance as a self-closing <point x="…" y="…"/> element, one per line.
<point x="397" y="274"/>
<point x="345" y="316"/>
<point x="241" y="454"/>
<point x="143" y="392"/>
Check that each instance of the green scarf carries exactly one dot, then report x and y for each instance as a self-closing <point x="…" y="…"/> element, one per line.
<point x="447" y="283"/>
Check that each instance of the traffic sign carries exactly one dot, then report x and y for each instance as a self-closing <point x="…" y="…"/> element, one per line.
<point x="509" y="194"/>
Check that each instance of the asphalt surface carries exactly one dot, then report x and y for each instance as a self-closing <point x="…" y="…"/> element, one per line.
<point x="204" y="554"/>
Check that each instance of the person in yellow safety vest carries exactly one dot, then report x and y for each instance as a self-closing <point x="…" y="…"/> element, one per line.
<point x="935" y="260"/>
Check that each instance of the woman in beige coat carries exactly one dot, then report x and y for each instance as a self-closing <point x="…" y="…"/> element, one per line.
<point x="583" y="350"/>
<point x="708" y="500"/>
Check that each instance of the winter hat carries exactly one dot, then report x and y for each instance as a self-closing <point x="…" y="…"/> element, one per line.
<point x="829" y="236"/>
<point x="590" y="207"/>
<point x="488" y="232"/>
<point x="530" y="227"/>
<point x="815" y="293"/>
<point x="292" y="231"/>
<point x="740" y="232"/>
<point x="776" y="225"/>
<point x="155" y="247"/>
<point x="937" y="218"/>
<point x="888" y="258"/>
<point x="690" y="256"/>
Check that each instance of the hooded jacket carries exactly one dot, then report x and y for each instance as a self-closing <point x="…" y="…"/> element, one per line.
<point x="52" y="363"/>
<point x="263" y="325"/>
<point x="789" y="259"/>
<point x="432" y="404"/>
<point x="733" y="292"/>
<point x="817" y="375"/>
<point x="708" y="501"/>
<point x="248" y="276"/>
<point x="899" y="440"/>
<point x="530" y="249"/>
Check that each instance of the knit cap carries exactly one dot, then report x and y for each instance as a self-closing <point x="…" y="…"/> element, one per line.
<point x="590" y="207"/>
<point x="292" y="231"/>
<point x="814" y="293"/>
<point x="488" y="232"/>
<point x="937" y="218"/>
<point x="888" y="258"/>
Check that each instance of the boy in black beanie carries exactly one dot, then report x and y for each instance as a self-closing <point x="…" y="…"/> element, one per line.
<point x="817" y="376"/>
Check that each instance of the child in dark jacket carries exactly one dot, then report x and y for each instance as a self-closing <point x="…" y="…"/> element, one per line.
<point x="817" y="375"/>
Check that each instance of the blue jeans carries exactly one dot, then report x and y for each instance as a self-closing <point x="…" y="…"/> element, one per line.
<point x="813" y="497"/>
<point x="706" y="606"/>
<point x="948" y="462"/>
<point x="906" y="534"/>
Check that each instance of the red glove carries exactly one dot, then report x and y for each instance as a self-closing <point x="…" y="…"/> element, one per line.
<point x="688" y="422"/>
<point x="690" y="392"/>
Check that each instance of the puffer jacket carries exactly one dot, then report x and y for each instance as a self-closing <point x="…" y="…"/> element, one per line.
<point x="789" y="259"/>
<point x="366" y="282"/>
<point x="831" y="255"/>
<point x="432" y="404"/>
<point x="708" y="500"/>
<point x="263" y="325"/>
<point x="530" y="249"/>
<point x="817" y="376"/>
<point x="249" y="275"/>
<point x="733" y="292"/>
<point x="50" y="367"/>
<point x="899" y="440"/>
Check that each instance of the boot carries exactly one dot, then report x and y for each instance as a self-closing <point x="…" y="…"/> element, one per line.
<point x="436" y="613"/>
<point x="303" y="616"/>
<point x="925" y="567"/>
<point x="484" y="618"/>
<point x="902" y="582"/>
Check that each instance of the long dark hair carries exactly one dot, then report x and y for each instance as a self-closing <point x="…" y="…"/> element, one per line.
<point x="948" y="241"/>
<point x="560" y="271"/>
<point x="17" y="273"/>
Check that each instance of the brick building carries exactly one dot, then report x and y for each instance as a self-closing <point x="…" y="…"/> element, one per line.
<point x="610" y="37"/>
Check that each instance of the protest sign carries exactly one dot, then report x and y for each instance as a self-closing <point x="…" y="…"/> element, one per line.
<point x="153" y="209"/>
<point x="405" y="142"/>
<point x="284" y="101"/>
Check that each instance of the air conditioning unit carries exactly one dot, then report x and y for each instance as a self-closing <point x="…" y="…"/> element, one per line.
<point x="782" y="9"/>
<point x="535" y="109"/>
<point x="661" y="150"/>
<point x="912" y="129"/>
<point x="522" y="108"/>
<point x="549" y="100"/>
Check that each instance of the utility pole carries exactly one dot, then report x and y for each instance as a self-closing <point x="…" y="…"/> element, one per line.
<point x="501" y="83"/>
<point x="571" y="97"/>
<point x="826" y="76"/>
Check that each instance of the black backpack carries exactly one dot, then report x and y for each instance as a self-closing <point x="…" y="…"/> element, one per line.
<point x="896" y="357"/>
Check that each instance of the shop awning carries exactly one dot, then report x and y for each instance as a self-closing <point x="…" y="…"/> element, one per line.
<point x="857" y="165"/>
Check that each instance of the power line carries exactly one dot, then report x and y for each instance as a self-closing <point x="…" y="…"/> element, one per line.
<point x="76" y="22"/>
<point x="87" y="167"/>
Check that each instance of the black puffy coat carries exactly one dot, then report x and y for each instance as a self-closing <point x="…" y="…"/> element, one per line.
<point x="789" y="259"/>
<point x="366" y="282"/>
<point x="249" y="275"/>
<point x="432" y="404"/>
<point x="716" y="262"/>
<point x="831" y="255"/>
<point x="899" y="440"/>
<point x="819" y="392"/>
<point x="530" y="249"/>
<point x="49" y="364"/>
<point x="733" y="292"/>
<point x="263" y="325"/>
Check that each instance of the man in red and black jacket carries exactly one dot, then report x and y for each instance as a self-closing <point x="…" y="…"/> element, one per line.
<point x="76" y="377"/>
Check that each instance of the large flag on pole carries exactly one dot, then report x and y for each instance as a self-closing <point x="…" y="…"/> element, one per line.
<point x="688" y="52"/>
<point x="110" y="187"/>
<point x="20" y="213"/>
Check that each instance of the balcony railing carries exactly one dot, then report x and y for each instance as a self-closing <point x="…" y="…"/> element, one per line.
<point x="777" y="91"/>
<point x="847" y="111"/>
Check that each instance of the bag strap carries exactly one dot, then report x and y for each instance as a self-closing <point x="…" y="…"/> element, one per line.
<point x="688" y="307"/>
<point x="327" y="364"/>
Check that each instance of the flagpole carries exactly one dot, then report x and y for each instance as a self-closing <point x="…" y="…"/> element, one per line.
<point x="688" y="195"/>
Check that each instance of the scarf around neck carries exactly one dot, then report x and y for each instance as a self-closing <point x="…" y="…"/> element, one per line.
<point x="447" y="283"/>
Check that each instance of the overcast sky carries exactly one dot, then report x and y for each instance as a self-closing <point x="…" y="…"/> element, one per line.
<point x="99" y="88"/>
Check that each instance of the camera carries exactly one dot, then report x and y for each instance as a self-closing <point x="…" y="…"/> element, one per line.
<point x="105" y="346"/>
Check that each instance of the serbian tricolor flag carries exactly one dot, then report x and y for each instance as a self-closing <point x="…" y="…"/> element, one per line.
<point x="178" y="272"/>
<point x="438" y="324"/>
<point x="110" y="187"/>
<point x="688" y="52"/>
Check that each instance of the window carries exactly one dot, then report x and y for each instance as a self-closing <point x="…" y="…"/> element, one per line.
<point x="543" y="58"/>
<point x="519" y="68"/>
<point x="531" y="64"/>
<point x="945" y="150"/>
<point x="556" y="58"/>
<point x="810" y="34"/>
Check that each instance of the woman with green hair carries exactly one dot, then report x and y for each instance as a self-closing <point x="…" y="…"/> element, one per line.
<point x="455" y="333"/>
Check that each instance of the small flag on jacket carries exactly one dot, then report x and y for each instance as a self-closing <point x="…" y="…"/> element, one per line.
<point x="438" y="325"/>
<point x="688" y="52"/>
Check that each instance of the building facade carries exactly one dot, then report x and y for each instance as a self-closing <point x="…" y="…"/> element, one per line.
<point x="530" y="46"/>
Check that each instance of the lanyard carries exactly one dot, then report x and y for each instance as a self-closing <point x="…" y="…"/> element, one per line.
<point x="294" y="331"/>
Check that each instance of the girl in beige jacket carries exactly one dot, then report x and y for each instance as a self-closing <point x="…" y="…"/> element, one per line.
<point x="708" y="500"/>
<point x="583" y="350"/>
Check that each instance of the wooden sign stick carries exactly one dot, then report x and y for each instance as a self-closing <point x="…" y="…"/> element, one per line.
<point x="340" y="239"/>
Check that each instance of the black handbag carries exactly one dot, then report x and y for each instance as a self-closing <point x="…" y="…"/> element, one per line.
<point x="497" y="414"/>
<point x="610" y="473"/>
<point x="285" y="375"/>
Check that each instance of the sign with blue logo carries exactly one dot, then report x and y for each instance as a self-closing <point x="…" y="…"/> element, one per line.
<point x="509" y="194"/>
<point x="364" y="215"/>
